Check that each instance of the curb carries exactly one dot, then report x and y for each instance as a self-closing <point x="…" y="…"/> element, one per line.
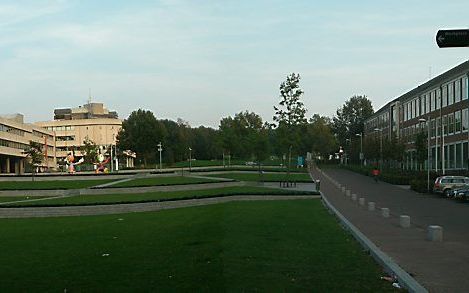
<point x="383" y="259"/>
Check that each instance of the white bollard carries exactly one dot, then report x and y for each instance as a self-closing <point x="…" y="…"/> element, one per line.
<point x="347" y="193"/>
<point x="385" y="212"/>
<point x="361" y="201"/>
<point x="371" y="206"/>
<point x="354" y="197"/>
<point x="435" y="233"/>
<point x="404" y="221"/>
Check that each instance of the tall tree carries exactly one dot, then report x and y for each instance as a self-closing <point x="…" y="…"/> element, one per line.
<point x="350" y="118"/>
<point x="89" y="151"/>
<point x="290" y="115"/>
<point x="141" y="132"/>
<point x="320" y="135"/>
<point x="34" y="154"/>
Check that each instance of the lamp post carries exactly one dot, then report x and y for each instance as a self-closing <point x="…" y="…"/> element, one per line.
<point x="190" y="159"/>
<point x="361" y="147"/>
<point x="380" y="147"/>
<point x="428" y="150"/>
<point x="160" y="149"/>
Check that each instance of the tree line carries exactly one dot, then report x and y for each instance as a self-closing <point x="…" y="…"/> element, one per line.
<point x="246" y="136"/>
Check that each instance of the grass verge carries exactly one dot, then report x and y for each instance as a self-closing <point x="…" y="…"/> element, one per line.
<point x="273" y="246"/>
<point x="266" y="177"/>
<point x="156" y="196"/>
<point x="51" y="185"/>
<point x="161" y="181"/>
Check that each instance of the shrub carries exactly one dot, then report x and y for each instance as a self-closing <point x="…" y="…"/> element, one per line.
<point x="418" y="185"/>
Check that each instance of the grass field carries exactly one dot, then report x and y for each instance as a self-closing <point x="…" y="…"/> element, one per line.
<point x="163" y="180"/>
<point x="155" y="196"/>
<point x="15" y="198"/>
<point x="272" y="246"/>
<point x="51" y="185"/>
<point x="267" y="177"/>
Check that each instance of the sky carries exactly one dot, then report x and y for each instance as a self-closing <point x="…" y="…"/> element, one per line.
<point x="203" y="60"/>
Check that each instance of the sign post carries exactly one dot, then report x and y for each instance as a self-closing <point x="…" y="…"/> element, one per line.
<point x="452" y="38"/>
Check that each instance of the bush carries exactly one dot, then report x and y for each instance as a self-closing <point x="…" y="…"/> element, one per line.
<point x="418" y="185"/>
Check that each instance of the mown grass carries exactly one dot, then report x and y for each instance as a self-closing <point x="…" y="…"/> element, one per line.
<point x="156" y="196"/>
<point x="267" y="177"/>
<point x="272" y="246"/>
<point x="163" y="180"/>
<point x="51" y="185"/>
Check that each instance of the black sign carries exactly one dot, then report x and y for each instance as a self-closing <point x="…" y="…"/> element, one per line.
<point x="453" y="38"/>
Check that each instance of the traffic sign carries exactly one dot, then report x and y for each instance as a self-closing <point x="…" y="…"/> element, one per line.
<point x="452" y="38"/>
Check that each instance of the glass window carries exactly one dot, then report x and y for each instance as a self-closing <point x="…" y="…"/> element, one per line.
<point x="464" y="88"/>
<point x="438" y="126"/>
<point x="432" y="128"/>
<point x="451" y="123"/>
<point x="451" y="164"/>
<point x="432" y="102"/>
<point x="444" y="100"/>
<point x="465" y="155"/>
<point x="457" y="90"/>
<point x="458" y="162"/>
<point x="437" y="95"/>
<point x="445" y="125"/>
<point x="465" y="122"/>
<point x="457" y="121"/>
<point x="450" y="93"/>
<point x="427" y="104"/>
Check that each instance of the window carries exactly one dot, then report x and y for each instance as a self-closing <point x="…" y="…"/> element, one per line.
<point x="432" y="128"/>
<point x="444" y="101"/>
<point x="451" y="157"/>
<point x="465" y="122"/>
<point x="450" y="93"/>
<point x="464" y="88"/>
<point x="437" y="95"/>
<point x="457" y="122"/>
<point x="465" y="155"/>
<point x="427" y="103"/>
<point x="451" y="123"/>
<point x="432" y="102"/>
<point x="445" y="125"/>
<point x="457" y="90"/>
<point x="458" y="164"/>
<point x="438" y="126"/>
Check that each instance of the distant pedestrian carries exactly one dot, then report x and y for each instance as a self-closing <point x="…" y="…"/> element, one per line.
<point x="375" y="173"/>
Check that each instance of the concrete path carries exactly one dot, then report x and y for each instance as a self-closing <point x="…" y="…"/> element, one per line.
<point x="438" y="266"/>
<point x="40" y="212"/>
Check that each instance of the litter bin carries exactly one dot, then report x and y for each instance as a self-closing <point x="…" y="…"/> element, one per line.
<point x="318" y="185"/>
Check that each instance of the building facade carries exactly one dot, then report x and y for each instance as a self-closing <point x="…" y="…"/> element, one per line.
<point x="15" y="136"/>
<point x="90" y="121"/>
<point x="440" y="105"/>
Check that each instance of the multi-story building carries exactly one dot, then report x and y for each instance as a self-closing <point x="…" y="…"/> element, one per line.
<point x="15" y="136"/>
<point x="73" y="125"/>
<point x="443" y="103"/>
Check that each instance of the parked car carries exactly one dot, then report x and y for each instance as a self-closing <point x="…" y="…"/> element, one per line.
<point x="446" y="184"/>
<point x="461" y="193"/>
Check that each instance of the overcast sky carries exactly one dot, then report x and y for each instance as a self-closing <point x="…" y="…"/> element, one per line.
<point x="203" y="60"/>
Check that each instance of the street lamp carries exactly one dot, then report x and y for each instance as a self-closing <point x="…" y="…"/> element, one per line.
<point x="190" y="159"/>
<point x="160" y="149"/>
<point x="380" y="147"/>
<point x="361" y="147"/>
<point x="427" y="121"/>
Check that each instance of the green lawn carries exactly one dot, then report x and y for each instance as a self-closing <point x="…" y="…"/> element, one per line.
<point x="273" y="246"/>
<point x="163" y="180"/>
<point x="158" y="196"/>
<point x="267" y="177"/>
<point x="15" y="198"/>
<point x="208" y="163"/>
<point x="50" y="185"/>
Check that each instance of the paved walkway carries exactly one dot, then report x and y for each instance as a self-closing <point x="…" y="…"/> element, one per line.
<point x="40" y="212"/>
<point x="440" y="267"/>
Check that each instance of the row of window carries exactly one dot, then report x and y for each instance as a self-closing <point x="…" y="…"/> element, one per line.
<point x="65" y="138"/>
<point x="454" y="157"/>
<point x="13" y="144"/>
<point x="437" y="98"/>
<point x="60" y="128"/>
<point x="453" y="123"/>
<point x="11" y="130"/>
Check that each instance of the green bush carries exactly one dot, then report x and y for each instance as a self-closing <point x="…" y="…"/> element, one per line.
<point x="418" y="185"/>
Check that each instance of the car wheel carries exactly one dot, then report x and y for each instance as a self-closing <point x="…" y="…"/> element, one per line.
<point x="448" y="192"/>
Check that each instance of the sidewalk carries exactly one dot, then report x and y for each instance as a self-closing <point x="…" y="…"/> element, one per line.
<point x="439" y="267"/>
